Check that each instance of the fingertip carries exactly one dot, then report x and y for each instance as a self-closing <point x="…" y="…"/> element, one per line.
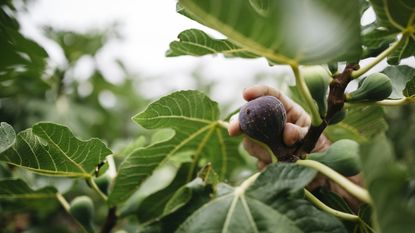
<point x="253" y="92"/>
<point x="233" y="128"/>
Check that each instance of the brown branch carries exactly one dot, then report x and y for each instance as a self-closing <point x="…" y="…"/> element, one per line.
<point x="110" y="221"/>
<point x="335" y="102"/>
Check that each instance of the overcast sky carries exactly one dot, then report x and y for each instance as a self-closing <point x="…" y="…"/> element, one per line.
<point x="147" y="27"/>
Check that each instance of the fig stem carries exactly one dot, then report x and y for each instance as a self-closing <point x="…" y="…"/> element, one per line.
<point x="223" y="124"/>
<point x="339" y="214"/>
<point x="357" y="191"/>
<point x="356" y="74"/>
<point x="63" y="201"/>
<point x="94" y="187"/>
<point x="305" y="93"/>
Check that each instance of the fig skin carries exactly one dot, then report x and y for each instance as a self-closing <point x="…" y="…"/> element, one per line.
<point x="263" y="119"/>
<point x="374" y="87"/>
<point x="82" y="209"/>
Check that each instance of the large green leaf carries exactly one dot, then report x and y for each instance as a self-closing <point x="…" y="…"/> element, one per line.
<point x="285" y="31"/>
<point x="195" y="120"/>
<point x="376" y="39"/>
<point x="272" y="204"/>
<point x="389" y="186"/>
<point x="392" y="17"/>
<point x="404" y="50"/>
<point x="394" y="14"/>
<point x="360" y="124"/>
<point x="15" y="189"/>
<point x="197" y="43"/>
<point x="51" y="149"/>
<point x="7" y="136"/>
<point x="402" y="79"/>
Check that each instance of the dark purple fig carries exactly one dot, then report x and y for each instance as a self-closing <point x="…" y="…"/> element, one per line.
<point x="263" y="119"/>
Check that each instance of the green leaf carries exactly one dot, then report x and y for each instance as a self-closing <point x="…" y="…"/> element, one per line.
<point x="20" y="57"/>
<point x="185" y="201"/>
<point x="152" y="206"/>
<point x="401" y="77"/>
<point x="374" y="36"/>
<point x="388" y="184"/>
<point x="376" y="39"/>
<point x="409" y="88"/>
<point x="284" y="31"/>
<point x="396" y="15"/>
<point x="194" y="118"/>
<point x="360" y="124"/>
<point x="7" y="136"/>
<point x="16" y="189"/>
<point x="272" y="204"/>
<point x="51" y="149"/>
<point x="262" y="7"/>
<point x="197" y="43"/>
<point x="405" y="50"/>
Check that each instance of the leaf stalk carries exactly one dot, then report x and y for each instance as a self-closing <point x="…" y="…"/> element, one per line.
<point x="357" y="191"/>
<point x="94" y="187"/>
<point x="305" y="93"/>
<point x="356" y="74"/>
<point x="328" y="209"/>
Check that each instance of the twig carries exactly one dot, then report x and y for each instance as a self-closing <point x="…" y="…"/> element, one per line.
<point x="110" y="221"/>
<point x="335" y="104"/>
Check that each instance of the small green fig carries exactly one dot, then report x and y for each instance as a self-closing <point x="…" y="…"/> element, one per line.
<point x="263" y="119"/>
<point x="82" y="209"/>
<point x="374" y="87"/>
<point x="103" y="182"/>
<point x="317" y="80"/>
<point x="342" y="156"/>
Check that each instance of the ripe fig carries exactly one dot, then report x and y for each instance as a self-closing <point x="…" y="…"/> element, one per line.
<point x="82" y="209"/>
<point x="317" y="80"/>
<point x="342" y="156"/>
<point x="263" y="119"/>
<point x="374" y="87"/>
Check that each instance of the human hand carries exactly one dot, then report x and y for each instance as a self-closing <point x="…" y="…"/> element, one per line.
<point x="298" y="122"/>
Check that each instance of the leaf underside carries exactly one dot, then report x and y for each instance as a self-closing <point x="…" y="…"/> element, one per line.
<point x="273" y="29"/>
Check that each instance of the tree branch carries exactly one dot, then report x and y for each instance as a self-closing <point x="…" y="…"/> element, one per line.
<point x="110" y="221"/>
<point x="335" y="104"/>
